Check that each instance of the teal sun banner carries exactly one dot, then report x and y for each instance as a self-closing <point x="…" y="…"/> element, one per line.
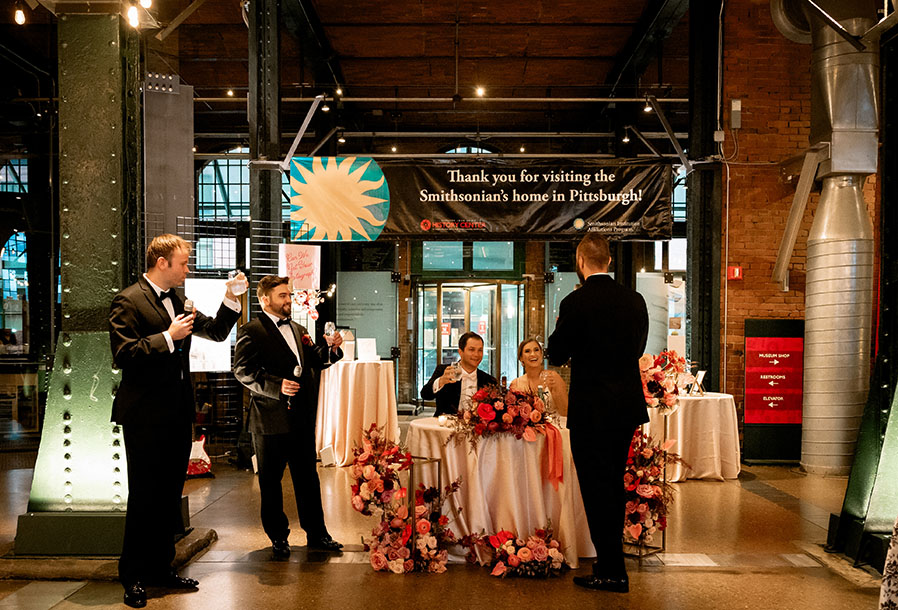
<point x="337" y="199"/>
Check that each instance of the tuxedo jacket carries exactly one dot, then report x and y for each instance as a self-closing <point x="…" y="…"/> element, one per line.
<point x="155" y="386"/>
<point x="262" y="360"/>
<point x="602" y="329"/>
<point x="450" y="394"/>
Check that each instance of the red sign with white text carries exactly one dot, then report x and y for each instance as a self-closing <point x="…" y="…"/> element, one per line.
<point x="773" y="380"/>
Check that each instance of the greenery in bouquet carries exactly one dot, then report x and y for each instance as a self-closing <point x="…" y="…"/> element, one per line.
<point x="539" y="556"/>
<point x="493" y="410"/>
<point x="401" y="542"/>
<point x="662" y="377"/>
<point x="648" y="495"/>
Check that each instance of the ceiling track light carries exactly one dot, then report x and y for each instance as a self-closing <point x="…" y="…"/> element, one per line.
<point x="648" y="106"/>
<point x="340" y="137"/>
<point x="626" y="138"/>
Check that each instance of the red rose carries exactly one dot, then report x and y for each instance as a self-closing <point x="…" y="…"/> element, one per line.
<point x="486" y="412"/>
<point x="480" y="395"/>
<point x="307" y="340"/>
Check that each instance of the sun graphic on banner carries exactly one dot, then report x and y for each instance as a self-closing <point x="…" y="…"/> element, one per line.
<point x="337" y="199"/>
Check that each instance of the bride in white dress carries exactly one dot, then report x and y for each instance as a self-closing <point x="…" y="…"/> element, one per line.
<point x="530" y="353"/>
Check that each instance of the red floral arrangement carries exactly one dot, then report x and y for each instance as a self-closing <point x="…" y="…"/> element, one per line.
<point x="403" y="541"/>
<point x="537" y="557"/>
<point x="496" y="411"/>
<point x="648" y="495"/>
<point x="662" y="377"/>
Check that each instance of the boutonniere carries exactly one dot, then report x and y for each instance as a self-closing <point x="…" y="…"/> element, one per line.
<point x="307" y="340"/>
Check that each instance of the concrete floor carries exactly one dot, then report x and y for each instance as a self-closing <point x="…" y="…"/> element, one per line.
<point x="755" y="542"/>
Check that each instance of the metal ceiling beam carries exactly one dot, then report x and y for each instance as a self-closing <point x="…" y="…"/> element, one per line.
<point x="649" y="135"/>
<point x="656" y="25"/>
<point x="449" y="100"/>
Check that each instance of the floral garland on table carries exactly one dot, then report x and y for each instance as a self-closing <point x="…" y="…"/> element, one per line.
<point x="648" y="495"/>
<point x="537" y="557"/>
<point x="400" y="543"/>
<point x="662" y="377"/>
<point x="496" y="411"/>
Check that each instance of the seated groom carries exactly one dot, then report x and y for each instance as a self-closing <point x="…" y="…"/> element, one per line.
<point x="451" y="393"/>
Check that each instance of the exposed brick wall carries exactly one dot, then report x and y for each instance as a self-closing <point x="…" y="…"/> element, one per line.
<point x="771" y="75"/>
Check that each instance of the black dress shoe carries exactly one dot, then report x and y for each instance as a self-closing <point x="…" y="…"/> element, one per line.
<point x="324" y="543"/>
<point x="280" y="549"/>
<point x="599" y="583"/>
<point x="135" y="595"/>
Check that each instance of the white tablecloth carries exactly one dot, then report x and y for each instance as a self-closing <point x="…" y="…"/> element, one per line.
<point x="707" y="432"/>
<point x="504" y="486"/>
<point x="354" y="395"/>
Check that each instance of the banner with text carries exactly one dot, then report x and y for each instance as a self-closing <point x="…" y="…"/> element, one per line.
<point x="448" y="199"/>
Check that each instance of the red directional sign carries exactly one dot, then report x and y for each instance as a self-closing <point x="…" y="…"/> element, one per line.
<point x="773" y="380"/>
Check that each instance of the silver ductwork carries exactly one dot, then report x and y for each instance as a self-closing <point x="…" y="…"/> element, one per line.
<point x="838" y="297"/>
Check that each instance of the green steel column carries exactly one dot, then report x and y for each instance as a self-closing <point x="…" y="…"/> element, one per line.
<point x="79" y="490"/>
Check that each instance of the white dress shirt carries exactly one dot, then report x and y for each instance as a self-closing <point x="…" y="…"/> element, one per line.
<point x="167" y="304"/>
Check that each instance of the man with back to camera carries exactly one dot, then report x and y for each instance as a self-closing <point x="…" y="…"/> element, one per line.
<point x="150" y="332"/>
<point x="277" y="361"/>
<point x="452" y="392"/>
<point x="602" y="329"/>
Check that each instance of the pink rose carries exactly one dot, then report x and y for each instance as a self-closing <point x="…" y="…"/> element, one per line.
<point x="387" y="496"/>
<point x="404" y="552"/>
<point x="540" y="553"/>
<point x="499" y="570"/>
<point x="358" y="503"/>
<point x="378" y="561"/>
<point x="369" y="471"/>
<point x="513" y="411"/>
<point x="420" y="509"/>
<point x="631" y="507"/>
<point x="525" y="554"/>
<point x="525" y="410"/>
<point x="397" y="523"/>
<point x="409" y="564"/>
<point x="397" y="566"/>
<point x="422" y="526"/>
<point x="538" y="404"/>
<point x="646" y="491"/>
<point x="514" y="561"/>
<point x="642" y="509"/>
<point x="646" y="362"/>
<point x="393" y="555"/>
<point x="553" y="544"/>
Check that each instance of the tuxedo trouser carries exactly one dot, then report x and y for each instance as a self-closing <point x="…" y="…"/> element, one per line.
<point x="273" y="453"/>
<point x="157" y="467"/>
<point x="600" y="457"/>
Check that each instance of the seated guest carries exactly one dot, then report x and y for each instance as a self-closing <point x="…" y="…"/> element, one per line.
<point x="530" y="353"/>
<point x="451" y="391"/>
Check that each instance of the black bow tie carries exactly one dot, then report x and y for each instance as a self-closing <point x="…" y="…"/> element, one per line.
<point x="165" y="294"/>
<point x="283" y="322"/>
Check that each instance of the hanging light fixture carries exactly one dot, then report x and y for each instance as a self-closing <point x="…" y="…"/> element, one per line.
<point x="340" y="137"/>
<point x="626" y="138"/>
<point x="647" y="107"/>
<point x="20" y="13"/>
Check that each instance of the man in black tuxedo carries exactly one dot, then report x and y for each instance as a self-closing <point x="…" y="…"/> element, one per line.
<point x="277" y="361"/>
<point x="150" y="333"/>
<point x="602" y="329"/>
<point x="449" y="390"/>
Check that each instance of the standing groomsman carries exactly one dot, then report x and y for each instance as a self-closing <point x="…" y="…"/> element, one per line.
<point x="150" y="333"/>
<point x="277" y="361"/>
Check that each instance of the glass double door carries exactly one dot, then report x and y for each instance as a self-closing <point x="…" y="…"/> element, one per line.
<point x="447" y="310"/>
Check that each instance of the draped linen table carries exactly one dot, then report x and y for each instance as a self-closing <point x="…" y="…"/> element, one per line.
<point x="504" y="486"/>
<point x="354" y="395"/>
<point x="707" y="433"/>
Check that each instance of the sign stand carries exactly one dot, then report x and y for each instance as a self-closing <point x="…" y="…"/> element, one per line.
<point x="774" y="364"/>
